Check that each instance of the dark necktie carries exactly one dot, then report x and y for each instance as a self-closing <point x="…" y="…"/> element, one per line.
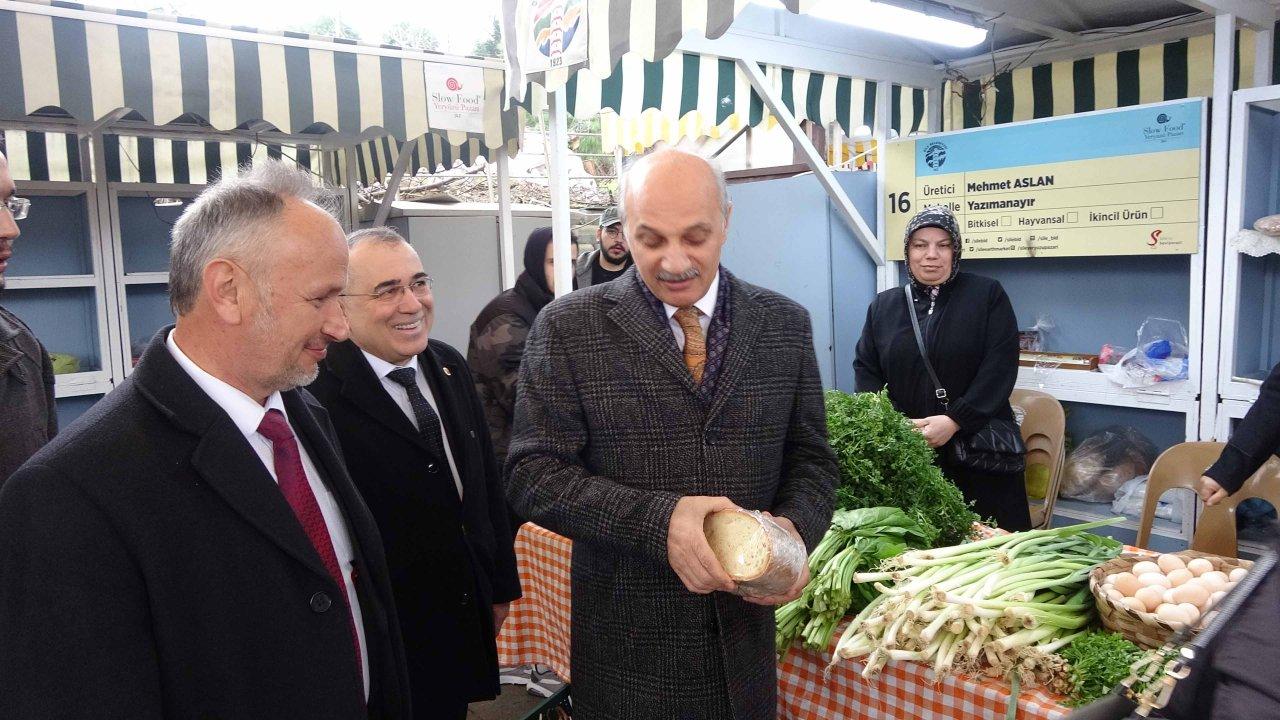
<point x="428" y="421"/>
<point x="297" y="491"/>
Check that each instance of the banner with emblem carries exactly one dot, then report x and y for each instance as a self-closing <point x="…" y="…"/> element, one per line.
<point x="1113" y="182"/>
<point x="551" y="34"/>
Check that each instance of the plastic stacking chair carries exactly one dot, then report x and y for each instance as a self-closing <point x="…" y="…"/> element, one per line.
<point x="1044" y="427"/>
<point x="1181" y="467"/>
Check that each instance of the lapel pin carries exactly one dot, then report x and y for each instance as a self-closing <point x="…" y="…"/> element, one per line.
<point x="446" y="371"/>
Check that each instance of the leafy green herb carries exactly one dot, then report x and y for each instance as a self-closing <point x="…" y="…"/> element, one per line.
<point x="859" y="540"/>
<point x="1099" y="661"/>
<point x="884" y="462"/>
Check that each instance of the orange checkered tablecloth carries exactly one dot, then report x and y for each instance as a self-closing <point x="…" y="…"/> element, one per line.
<point x="537" y="631"/>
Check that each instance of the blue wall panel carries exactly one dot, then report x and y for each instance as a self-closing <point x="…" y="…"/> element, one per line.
<point x="144" y="233"/>
<point x="786" y="236"/>
<point x="65" y="320"/>
<point x="1092" y="301"/>
<point x="148" y="312"/>
<point x="55" y="238"/>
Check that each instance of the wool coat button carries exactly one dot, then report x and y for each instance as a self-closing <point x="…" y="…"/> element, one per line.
<point x="431" y="467"/>
<point x="466" y="599"/>
<point x="320" y="602"/>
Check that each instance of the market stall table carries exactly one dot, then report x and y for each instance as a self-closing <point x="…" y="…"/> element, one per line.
<point x="537" y="631"/>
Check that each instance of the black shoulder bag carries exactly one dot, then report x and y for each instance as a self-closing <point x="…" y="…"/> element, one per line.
<point x="997" y="448"/>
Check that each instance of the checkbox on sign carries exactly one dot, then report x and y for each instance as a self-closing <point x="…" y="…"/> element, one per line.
<point x="1157" y="213"/>
<point x="1006" y="221"/>
<point x="1073" y="217"/>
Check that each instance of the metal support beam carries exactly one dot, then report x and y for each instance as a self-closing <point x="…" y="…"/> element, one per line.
<point x="349" y="188"/>
<point x="506" y="232"/>
<point x="1004" y="17"/>
<point x="814" y="160"/>
<point x="393" y="185"/>
<point x="886" y="274"/>
<point x="1258" y="13"/>
<point x="1224" y="32"/>
<point x="558" y="169"/>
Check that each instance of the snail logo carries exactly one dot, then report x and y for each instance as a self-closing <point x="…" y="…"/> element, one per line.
<point x="1155" y="238"/>
<point x="453" y="84"/>
<point x="935" y="155"/>
<point x="1162" y="118"/>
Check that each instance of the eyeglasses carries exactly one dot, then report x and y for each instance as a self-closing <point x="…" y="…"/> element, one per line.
<point x="420" y="289"/>
<point x="18" y="207"/>
<point x="613" y="231"/>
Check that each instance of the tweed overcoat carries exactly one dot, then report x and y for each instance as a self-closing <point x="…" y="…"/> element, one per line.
<point x="610" y="434"/>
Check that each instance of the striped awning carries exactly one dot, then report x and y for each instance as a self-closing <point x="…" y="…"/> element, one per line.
<point x="1168" y="71"/>
<point x="64" y="58"/>
<point x="690" y="95"/>
<point x="375" y="159"/>
<point x="43" y="156"/>
<point x="650" y="29"/>
<point x="163" y="160"/>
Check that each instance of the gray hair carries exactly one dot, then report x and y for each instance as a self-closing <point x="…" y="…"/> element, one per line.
<point x="231" y="220"/>
<point x="722" y="188"/>
<point x="382" y="233"/>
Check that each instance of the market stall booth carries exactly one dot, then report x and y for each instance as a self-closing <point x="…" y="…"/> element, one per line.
<point x="113" y="119"/>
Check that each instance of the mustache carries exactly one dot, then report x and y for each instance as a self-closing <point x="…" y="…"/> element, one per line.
<point x="689" y="274"/>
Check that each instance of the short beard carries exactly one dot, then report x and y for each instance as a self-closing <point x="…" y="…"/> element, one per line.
<point x="266" y="328"/>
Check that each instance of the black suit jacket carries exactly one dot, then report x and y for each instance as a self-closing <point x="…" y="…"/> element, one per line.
<point x="150" y="567"/>
<point x="450" y="559"/>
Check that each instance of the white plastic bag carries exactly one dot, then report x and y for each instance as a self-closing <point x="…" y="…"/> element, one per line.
<point x="1133" y="495"/>
<point x="1160" y="357"/>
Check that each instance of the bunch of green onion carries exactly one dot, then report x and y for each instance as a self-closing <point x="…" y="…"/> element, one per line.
<point x="997" y="605"/>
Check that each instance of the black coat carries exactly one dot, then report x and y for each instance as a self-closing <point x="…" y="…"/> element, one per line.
<point x="152" y="568"/>
<point x="1255" y="438"/>
<point x="972" y="338"/>
<point x="450" y="560"/>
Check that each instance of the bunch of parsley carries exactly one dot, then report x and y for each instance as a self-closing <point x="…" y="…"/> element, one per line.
<point x="884" y="461"/>
<point x="1098" y="662"/>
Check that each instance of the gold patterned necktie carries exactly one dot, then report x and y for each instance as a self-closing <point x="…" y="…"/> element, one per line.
<point x="695" y="343"/>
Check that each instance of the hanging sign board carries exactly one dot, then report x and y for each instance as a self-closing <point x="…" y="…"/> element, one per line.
<point x="455" y="97"/>
<point x="1113" y="182"/>
<point x="551" y="34"/>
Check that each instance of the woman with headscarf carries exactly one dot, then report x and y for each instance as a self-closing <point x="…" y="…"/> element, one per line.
<point x="498" y="336"/>
<point x="971" y="335"/>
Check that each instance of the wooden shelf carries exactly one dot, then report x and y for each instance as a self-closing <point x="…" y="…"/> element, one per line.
<point x="49" y="282"/>
<point x="1094" y="387"/>
<point x="146" y="278"/>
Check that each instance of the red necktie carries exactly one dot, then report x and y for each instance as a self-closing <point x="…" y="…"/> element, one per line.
<point x="297" y="491"/>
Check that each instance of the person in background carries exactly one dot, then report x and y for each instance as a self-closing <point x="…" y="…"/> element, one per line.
<point x="1255" y="438"/>
<point x="498" y="337"/>
<point x="415" y="440"/>
<point x="971" y="333"/>
<point x="610" y="260"/>
<point x="26" y="373"/>
<point x="193" y="547"/>
<point x="646" y="404"/>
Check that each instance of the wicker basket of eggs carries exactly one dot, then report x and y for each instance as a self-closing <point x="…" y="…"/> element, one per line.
<point x="1147" y="598"/>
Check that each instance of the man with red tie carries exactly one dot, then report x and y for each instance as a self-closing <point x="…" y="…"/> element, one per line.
<point x="193" y="545"/>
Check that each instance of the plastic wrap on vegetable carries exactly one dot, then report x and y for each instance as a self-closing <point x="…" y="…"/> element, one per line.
<point x="1104" y="461"/>
<point x="758" y="553"/>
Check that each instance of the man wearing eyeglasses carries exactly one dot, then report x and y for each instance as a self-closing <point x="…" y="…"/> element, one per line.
<point x="610" y="260"/>
<point x="417" y="445"/>
<point x="26" y="375"/>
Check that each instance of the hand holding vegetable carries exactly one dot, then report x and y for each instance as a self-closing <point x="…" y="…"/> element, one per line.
<point x="1210" y="491"/>
<point x="937" y="429"/>
<point x="794" y="591"/>
<point x="687" y="549"/>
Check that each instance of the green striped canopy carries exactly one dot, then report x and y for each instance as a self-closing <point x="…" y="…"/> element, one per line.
<point x="1165" y="71"/>
<point x="63" y="58"/>
<point x="650" y="29"/>
<point x="704" y="92"/>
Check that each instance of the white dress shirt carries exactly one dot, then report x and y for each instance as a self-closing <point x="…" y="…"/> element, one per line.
<point x="400" y="395"/>
<point x="706" y="307"/>
<point x="247" y="414"/>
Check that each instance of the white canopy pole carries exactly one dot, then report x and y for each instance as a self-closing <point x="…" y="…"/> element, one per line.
<point x="393" y="185"/>
<point x="558" y="169"/>
<point x="814" y="160"/>
<point x="506" y="236"/>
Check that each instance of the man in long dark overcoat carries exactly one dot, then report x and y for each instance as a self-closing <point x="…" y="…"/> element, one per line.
<point x="645" y="404"/>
